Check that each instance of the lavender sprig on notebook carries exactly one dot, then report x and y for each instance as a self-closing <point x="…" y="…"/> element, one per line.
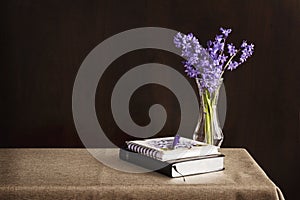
<point x="176" y="141"/>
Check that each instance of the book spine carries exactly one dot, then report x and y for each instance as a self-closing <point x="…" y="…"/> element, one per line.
<point x="144" y="150"/>
<point x="146" y="162"/>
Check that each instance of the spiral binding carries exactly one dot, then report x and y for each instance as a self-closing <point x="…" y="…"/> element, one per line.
<point x="143" y="150"/>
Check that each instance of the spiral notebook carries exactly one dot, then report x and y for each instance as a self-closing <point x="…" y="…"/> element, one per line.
<point x="162" y="148"/>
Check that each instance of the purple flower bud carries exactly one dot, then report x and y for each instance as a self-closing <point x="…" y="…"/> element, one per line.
<point x="231" y="49"/>
<point x="219" y="38"/>
<point x="190" y="36"/>
<point x="191" y="71"/>
<point x="225" y="32"/>
<point x="233" y="65"/>
<point x="246" y="52"/>
<point x="209" y="43"/>
<point x="244" y="44"/>
<point x="178" y="40"/>
<point x="176" y="140"/>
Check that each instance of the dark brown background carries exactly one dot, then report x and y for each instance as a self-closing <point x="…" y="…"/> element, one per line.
<point x="44" y="42"/>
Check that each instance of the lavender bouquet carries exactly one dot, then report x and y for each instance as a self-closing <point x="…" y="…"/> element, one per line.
<point x="207" y="66"/>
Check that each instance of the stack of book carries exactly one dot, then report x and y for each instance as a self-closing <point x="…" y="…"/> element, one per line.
<point x="186" y="157"/>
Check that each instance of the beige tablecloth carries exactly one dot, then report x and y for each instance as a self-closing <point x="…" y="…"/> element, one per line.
<point x="75" y="174"/>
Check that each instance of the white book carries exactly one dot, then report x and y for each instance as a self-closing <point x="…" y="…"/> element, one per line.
<point x="162" y="148"/>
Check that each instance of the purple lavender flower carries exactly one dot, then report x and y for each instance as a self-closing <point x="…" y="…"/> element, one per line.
<point x="209" y="44"/>
<point x="190" y="47"/>
<point x="244" y="44"/>
<point x="231" y="49"/>
<point x="247" y="51"/>
<point x="208" y="65"/>
<point x="191" y="71"/>
<point x="232" y="65"/>
<point x="178" y="40"/>
<point x="222" y="58"/>
<point x="218" y="46"/>
<point x="219" y="38"/>
<point x="250" y="49"/>
<point x="176" y="140"/>
<point x="225" y="31"/>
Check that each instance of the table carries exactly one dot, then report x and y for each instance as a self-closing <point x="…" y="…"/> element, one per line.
<point x="76" y="174"/>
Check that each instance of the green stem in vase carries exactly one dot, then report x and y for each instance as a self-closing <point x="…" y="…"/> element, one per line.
<point x="208" y="117"/>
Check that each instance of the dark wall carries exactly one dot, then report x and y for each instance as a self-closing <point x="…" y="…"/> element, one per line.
<point x="43" y="44"/>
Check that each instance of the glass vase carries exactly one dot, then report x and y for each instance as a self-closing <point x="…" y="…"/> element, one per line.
<point x="208" y="127"/>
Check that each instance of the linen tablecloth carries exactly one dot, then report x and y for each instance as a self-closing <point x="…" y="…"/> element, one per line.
<point x="76" y="174"/>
